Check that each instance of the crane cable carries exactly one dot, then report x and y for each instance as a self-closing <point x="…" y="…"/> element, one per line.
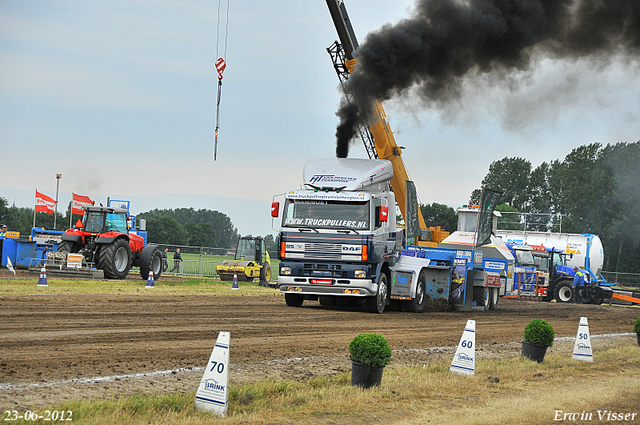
<point x="221" y="65"/>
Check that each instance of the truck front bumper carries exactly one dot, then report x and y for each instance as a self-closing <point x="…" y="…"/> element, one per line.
<point x="327" y="286"/>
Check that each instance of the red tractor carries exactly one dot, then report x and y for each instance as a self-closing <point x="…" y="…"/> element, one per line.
<point x="106" y="244"/>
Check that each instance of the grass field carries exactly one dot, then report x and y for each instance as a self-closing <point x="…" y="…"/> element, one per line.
<point x="526" y="393"/>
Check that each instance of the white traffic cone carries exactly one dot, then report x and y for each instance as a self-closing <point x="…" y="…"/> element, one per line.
<point x="235" y="282"/>
<point x="43" y="278"/>
<point x="150" y="283"/>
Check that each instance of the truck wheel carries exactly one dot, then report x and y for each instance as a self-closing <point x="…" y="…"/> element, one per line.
<point x="68" y="246"/>
<point x="294" y="300"/>
<point x="564" y="292"/>
<point x="481" y="297"/>
<point x="494" y="298"/>
<point x="416" y="305"/>
<point x="154" y="264"/>
<point x="377" y="303"/>
<point x="265" y="274"/>
<point x="114" y="259"/>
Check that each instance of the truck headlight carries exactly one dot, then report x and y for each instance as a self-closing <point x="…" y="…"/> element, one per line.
<point x="360" y="274"/>
<point x="285" y="271"/>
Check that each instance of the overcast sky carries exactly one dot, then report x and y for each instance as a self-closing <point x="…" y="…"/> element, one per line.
<point x="119" y="97"/>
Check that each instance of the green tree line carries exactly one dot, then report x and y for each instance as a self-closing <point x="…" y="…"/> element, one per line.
<point x="186" y="226"/>
<point x="595" y="189"/>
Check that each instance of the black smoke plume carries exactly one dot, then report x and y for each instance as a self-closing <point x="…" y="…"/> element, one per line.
<point x="445" y="41"/>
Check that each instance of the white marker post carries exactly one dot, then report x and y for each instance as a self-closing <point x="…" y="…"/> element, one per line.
<point x="582" y="347"/>
<point x="213" y="392"/>
<point x="464" y="361"/>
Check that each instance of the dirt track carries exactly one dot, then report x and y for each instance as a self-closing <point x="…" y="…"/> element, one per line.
<point x="49" y="344"/>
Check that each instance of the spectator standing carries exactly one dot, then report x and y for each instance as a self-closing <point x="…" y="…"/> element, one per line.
<point x="165" y="264"/>
<point x="177" y="259"/>
<point x="578" y="284"/>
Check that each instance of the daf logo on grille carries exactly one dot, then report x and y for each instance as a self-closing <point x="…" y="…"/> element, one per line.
<point x="352" y="249"/>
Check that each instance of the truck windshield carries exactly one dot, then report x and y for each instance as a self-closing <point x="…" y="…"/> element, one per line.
<point x="326" y="214"/>
<point x="524" y="258"/>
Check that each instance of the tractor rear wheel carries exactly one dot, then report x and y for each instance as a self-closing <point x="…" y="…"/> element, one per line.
<point x="154" y="265"/>
<point x="114" y="259"/>
<point x="68" y="246"/>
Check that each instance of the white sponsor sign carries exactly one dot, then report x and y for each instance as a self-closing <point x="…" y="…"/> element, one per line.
<point x="74" y="261"/>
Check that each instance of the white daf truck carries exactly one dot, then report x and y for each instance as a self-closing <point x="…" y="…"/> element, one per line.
<point x="339" y="242"/>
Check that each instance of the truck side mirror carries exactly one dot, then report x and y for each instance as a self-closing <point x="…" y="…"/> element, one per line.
<point x="384" y="214"/>
<point x="275" y="209"/>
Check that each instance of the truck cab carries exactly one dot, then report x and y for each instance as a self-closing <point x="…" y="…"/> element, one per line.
<point x="339" y="244"/>
<point x="338" y="235"/>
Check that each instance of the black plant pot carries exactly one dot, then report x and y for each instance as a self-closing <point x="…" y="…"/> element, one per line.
<point x="638" y="335"/>
<point x="533" y="351"/>
<point x="365" y="376"/>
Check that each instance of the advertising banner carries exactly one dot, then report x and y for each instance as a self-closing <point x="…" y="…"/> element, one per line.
<point x="80" y="201"/>
<point x="44" y="203"/>
<point x="411" y="220"/>
<point x="488" y="203"/>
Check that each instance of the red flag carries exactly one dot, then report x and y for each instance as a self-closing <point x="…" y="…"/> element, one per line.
<point x="44" y="203"/>
<point x="80" y="201"/>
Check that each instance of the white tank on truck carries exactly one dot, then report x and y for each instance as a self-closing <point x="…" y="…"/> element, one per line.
<point x="584" y="251"/>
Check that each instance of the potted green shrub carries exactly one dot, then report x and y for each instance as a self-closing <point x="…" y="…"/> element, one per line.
<point x="636" y="329"/>
<point x="538" y="335"/>
<point x="370" y="353"/>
